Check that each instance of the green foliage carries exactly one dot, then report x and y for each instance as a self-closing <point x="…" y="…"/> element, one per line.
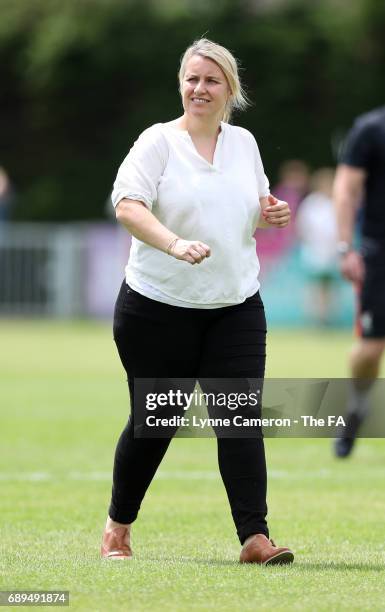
<point x="81" y="79"/>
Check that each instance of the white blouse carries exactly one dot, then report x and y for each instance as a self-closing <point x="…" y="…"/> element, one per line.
<point x="217" y="204"/>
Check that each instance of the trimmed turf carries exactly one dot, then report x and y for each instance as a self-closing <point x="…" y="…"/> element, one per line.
<point x="63" y="403"/>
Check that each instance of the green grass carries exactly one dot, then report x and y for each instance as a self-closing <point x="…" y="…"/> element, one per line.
<point x="63" y="403"/>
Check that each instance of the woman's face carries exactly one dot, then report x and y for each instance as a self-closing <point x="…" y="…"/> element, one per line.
<point x="205" y="90"/>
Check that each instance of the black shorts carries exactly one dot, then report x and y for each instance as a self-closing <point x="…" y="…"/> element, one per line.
<point x="371" y="296"/>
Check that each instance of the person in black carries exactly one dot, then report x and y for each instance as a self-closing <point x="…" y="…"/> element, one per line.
<point x="360" y="180"/>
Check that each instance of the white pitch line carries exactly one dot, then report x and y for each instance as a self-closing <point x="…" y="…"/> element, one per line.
<point x="100" y="476"/>
<point x="185" y="475"/>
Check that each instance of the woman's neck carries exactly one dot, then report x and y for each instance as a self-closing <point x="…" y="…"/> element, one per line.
<point x="199" y="127"/>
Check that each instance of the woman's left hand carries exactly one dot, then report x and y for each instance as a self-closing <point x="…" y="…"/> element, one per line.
<point x="277" y="212"/>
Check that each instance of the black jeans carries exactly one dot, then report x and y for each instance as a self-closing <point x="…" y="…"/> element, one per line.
<point x="159" y="340"/>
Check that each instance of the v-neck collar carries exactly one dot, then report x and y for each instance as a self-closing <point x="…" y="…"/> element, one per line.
<point x="217" y="150"/>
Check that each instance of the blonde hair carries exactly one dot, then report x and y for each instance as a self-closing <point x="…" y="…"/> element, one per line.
<point x="227" y="63"/>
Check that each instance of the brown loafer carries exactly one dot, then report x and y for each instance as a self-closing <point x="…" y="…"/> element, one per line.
<point x="114" y="545"/>
<point x="264" y="552"/>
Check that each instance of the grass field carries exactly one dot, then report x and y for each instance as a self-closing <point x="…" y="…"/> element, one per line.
<point x="63" y="404"/>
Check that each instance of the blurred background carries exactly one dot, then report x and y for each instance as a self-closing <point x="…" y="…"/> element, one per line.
<point x="80" y="80"/>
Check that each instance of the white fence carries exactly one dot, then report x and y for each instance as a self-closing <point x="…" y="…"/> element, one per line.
<point x="60" y="270"/>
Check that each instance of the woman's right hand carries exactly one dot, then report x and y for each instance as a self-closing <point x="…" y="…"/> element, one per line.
<point x="193" y="251"/>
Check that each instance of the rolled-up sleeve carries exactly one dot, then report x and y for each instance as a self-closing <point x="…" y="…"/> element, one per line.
<point x="139" y="174"/>
<point x="263" y="181"/>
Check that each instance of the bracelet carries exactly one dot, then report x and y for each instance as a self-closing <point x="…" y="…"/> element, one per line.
<point x="171" y="246"/>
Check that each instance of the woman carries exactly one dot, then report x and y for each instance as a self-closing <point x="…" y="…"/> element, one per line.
<point x="191" y="193"/>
